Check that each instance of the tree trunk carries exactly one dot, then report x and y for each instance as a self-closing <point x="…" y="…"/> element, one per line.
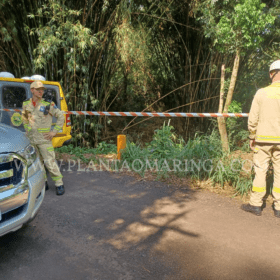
<point x="232" y="80"/>
<point x="221" y="120"/>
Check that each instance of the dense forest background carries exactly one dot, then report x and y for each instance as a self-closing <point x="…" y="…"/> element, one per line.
<point x="154" y="55"/>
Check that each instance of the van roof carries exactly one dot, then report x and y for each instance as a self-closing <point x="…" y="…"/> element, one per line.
<point x="29" y="81"/>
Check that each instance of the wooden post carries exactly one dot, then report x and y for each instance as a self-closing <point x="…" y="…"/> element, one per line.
<point x="121" y="144"/>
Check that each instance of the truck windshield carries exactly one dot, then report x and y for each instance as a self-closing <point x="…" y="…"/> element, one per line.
<point x="13" y="97"/>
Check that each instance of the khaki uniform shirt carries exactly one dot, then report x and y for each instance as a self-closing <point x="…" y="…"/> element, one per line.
<point x="36" y="123"/>
<point x="264" y="117"/>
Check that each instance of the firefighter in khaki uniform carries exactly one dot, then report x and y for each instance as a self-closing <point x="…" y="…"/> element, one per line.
<point x="264" y="128"/>
<point x="38" y="129"/>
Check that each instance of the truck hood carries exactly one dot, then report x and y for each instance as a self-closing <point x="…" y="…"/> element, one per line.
<point x="11" y="139"/>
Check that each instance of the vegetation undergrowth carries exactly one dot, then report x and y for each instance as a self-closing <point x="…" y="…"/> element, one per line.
<point x="103" y="148"/>
<point x="200" y="158"/>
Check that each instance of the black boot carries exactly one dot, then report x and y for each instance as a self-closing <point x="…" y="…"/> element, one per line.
<point x="277" y="213"/>
<point x="256" y="210"/>
<point x="46" y="186"/>
<point x="60" y="190"/>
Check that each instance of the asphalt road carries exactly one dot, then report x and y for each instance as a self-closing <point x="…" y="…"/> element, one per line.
<point x="108" y="226"/>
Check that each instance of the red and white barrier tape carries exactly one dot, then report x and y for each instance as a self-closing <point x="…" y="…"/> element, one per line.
<point x="146" y="114"/>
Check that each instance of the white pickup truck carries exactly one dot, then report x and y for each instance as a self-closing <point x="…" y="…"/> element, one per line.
<point x="22" y="180"/>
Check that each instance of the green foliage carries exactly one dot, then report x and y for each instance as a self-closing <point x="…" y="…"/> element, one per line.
<point x="238" y="133"/>
<point x="102" y="148"/>
<point x="143" y="66"/>
<point x="200" y="158"/>
<point x="63" y="32"/>
<point x="230" y="170"/>
<point x="6" y="37"/>
<point x="163" y="141"/>
<point x="65" y="35"/>
<point x="236" y="24"/>
<point x="126" y="55"/>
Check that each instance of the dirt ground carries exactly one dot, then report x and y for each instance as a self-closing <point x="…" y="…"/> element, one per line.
<point x="113" y="226"/>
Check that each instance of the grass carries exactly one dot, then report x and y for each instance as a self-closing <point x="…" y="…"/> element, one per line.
<point x="168" y="155"/>
<point x="200" y="159"/>
<point x="103" y="148"/>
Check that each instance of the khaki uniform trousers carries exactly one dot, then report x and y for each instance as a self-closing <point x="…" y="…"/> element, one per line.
<point x="263" y="153"/>
<point x="47" y="156"/>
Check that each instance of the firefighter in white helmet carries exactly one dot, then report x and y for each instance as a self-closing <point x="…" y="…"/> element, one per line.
<point x="264" y="128"/>
<point x="37" y="117"/>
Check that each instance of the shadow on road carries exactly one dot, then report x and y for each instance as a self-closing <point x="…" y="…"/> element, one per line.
<point x="110" y="226"/>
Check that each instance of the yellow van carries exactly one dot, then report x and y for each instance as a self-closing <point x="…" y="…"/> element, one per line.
<point x="14" y="91"/>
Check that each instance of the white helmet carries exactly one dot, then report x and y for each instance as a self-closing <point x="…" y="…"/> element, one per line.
<point x="275" y="65"/>
<point x="38" y="77"/>
<point x="6" y="75"/>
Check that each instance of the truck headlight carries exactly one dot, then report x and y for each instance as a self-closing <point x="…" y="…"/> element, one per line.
<point x="29" y="153"/>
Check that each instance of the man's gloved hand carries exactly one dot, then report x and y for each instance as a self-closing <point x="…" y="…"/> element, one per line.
<point x="252" y="144"/>
<point x="49" y="136"/>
